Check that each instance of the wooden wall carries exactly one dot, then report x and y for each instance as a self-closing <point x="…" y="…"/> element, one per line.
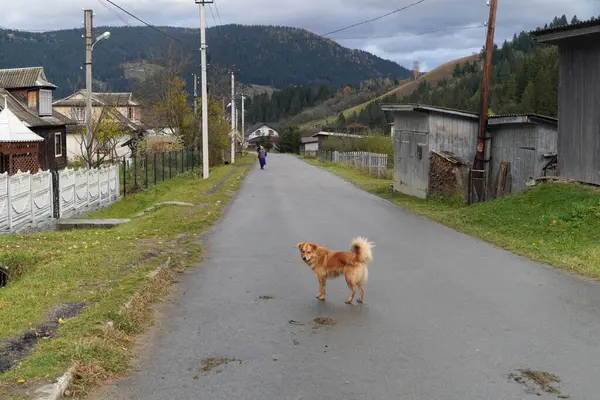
<point x="579" y="111"/>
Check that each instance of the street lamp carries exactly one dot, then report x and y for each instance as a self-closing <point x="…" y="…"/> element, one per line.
<point x="88" y="84"/>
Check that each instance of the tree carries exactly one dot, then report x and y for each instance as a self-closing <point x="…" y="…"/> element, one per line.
<point x="341" y="121"/>
<point x="290" y="140"/>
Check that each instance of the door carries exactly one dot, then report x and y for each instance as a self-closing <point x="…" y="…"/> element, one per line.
<point x="523" y="169"/>
<point x="411" y="167"/>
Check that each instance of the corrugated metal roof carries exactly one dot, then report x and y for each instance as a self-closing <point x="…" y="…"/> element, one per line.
<point x="21" y="78"/>
<point x="580" y="25"/>
<point x="309" y="139"/>
<point x="530" y="116"/>
<point x="13" y="130"/>
<point x="99" y="99"/>
<point x="423" y="107"/>
<point x="30" y="118"/>
<point x="337" y="134"/>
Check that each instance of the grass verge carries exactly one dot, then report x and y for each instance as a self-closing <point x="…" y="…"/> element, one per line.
<point x="103" y="269"/>
<point x="555" y="224"/>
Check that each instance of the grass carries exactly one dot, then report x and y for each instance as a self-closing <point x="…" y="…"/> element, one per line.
<point x="104" y="268"/>
<point x="556" y="224"/>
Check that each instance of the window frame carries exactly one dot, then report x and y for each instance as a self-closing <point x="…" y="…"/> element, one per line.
<point x="59" y="136"/>
<point x="41" y="111"/>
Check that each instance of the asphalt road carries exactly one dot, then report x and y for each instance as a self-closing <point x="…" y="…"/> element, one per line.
<point x="445" y="316"/>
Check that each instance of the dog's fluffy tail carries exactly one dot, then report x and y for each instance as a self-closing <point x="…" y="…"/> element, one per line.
<point x="362" y="248"/>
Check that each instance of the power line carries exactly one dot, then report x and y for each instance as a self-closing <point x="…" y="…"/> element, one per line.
<point x="374" y="19"/>
<point x="411" y="34"/>
<point x="218" y="13"/>
<point x="146" y="23"/>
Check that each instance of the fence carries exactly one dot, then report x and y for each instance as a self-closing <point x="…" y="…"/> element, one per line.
<point x="87" y="189"/>
<point x="25" y="200"/>
<point x="141" y="171"/>
<point x="373" y="163"/>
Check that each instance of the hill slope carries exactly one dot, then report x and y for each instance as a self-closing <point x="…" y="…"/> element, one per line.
<point x="264" y="55"/>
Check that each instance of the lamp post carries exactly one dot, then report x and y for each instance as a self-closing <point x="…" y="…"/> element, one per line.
<point x="89" y="47"/>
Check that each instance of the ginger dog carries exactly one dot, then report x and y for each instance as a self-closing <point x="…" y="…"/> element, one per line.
<point x="329" y="264"/>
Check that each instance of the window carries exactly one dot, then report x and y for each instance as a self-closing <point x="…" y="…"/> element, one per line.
<point x="45" y="102"/>
<point x="130" y="113"/>
<point x="58" y="144"/>
<point x="271" y="133"/>
<point x="78" y="113"/>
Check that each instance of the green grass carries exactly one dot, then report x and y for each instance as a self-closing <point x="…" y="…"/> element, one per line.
<point x="556" y="224"/>
<point x="104" y="268"/>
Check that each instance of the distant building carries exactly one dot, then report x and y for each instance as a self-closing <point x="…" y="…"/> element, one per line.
<point x="119" y="107"/>
<point x="578" y="98"/>
<point x="262" y="129"/>
<point x="309" y="144"/>
<point x="29" y="97"/>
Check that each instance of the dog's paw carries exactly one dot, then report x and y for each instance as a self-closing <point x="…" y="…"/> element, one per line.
<point x="348" y="301"/>
<point x="321" y="298"/>
<point x="359" y="301"/>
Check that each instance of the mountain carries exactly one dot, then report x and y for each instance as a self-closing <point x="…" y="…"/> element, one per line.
<point x="264" y="55"/>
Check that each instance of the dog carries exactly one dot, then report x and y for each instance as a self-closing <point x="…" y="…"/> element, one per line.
<point x="330" y="264"/>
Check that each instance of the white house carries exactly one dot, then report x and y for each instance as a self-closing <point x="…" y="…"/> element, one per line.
<point x="119" y="107"/>
<point x="256" y="131"/>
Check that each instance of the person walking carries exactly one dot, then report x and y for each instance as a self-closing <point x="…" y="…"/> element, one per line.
<point x="262" y="157"/>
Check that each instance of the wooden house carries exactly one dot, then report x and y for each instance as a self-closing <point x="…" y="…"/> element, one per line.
<point x="19" y="145"/>
<point x="578" y="98"/>
<point x="29" y="97"/>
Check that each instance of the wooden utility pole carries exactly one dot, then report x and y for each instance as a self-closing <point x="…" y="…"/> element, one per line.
<point x="479" y="163"/>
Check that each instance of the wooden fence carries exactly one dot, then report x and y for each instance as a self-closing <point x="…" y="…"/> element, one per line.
<point x="374" y="164"/>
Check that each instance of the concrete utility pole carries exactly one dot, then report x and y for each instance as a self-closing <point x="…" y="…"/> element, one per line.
<point x="195" y="94"/>
<point x="88" y="16"/>
<point x="204" y="90"/>
<point x="487" y="69"/>
<point x="233" y="117"/>
<point x="243" y="120"/>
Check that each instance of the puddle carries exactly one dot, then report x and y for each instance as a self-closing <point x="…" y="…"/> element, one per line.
<point x="538" y="382"/>
<point x="14" y="350"/>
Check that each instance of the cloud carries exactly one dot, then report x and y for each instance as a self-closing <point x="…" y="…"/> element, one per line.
<point x="400" y="37"/>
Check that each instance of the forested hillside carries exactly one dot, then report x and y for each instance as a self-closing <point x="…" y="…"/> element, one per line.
<point x="263" y="55"/>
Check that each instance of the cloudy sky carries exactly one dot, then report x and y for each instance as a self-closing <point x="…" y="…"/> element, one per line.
<point x="400" y="37"/>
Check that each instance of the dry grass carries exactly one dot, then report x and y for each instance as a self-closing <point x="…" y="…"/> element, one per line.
<point x="104" y="269"/>
<point x="406" y="87"/>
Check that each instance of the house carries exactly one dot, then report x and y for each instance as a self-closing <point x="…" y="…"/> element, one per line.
<point x="29" y="97"/>
<point x="119" y="107"/>
<point x="19" y="145"/>
<point x="309" y="144"/>
<point x="578" y="98"/>
<point x="258" y="130"/>
<point x="421" y="129"/>
<point x="522" y="147"/>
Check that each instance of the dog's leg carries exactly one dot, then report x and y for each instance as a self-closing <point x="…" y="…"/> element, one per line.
<point x="352" y="292"/>
<point x="322" y="283"/>
<point x="361" y="287"/>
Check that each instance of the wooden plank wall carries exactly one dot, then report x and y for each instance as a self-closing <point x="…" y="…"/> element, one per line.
<point x="579" y="112"/>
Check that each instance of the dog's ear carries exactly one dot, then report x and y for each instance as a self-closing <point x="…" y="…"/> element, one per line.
<point x="314" y="246"/>
<point x="300" y="245"/>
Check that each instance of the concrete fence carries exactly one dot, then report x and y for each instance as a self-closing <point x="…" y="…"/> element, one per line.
<point x="83" y="190"/>
<point x="30" y="201"/>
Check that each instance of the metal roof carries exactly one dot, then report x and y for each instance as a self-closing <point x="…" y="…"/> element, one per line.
<point x="23" y="78"/>
<point x="426" y="108"/>
<point x="337" y="134"/>
<point x="30" y="118"/>
<point x="124" y="99"/>
<point x="13" y="130"/>
<point x="309" y="139"/>
<point x="500" y="119"/>
<point x="566" y="31"/>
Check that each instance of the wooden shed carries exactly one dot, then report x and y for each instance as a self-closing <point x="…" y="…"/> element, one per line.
<point x="421" y="129"/>
<point x="19" y="146"/>
<point x="522" y="146"/>
<point x="578" y="98"/>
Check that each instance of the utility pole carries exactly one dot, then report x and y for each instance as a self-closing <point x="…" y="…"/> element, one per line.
<point x="195" y="94"/>
<point x="487" y="69"/>
<point x="204" y="90"/>
<point x="89" y="149"/>
<point x="233" y="117"/>
<point x="243" y="120"/>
